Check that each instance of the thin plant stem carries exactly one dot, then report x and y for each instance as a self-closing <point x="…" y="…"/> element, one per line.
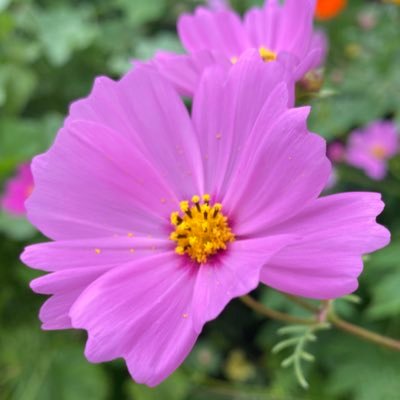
<point x="363" y="333"/>
<point x="270" y="313"/>
<point x="302" y="303"/>
<point x="331" y="317"/>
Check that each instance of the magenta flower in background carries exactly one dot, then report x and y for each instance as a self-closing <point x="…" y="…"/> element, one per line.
<point x="159" y="219"/>
<point x="279" y="32"/>
<point x="370" y="149"/>
<point x="17" y="190"/>
<point x="218" y="5"/>
<point x="336" y="151"/>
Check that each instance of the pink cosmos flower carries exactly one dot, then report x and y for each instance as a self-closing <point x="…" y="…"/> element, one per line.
<point x="336" y="151"/>
<point x="158" y="218"/>
<point x="18" y="190"/>
<point x="279" y="32"/>
<point x="218" y="5"/>
<point x="371" y="148"/>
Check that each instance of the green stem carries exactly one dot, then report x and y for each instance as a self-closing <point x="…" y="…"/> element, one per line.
<point x="270" y="313"/>
<point x="363" y="333"/>
<point x="331" y="317"/>
<point x="302" y="303"/>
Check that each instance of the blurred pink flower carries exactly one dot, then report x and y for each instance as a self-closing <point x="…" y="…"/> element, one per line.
<point x="336" y="151"/>
<point x="279" y="32"/>
<point x="159" y="219"/>
<point x="370" y="149"/>
<point x="218" y="5"/>
<point x="18" y="190"/>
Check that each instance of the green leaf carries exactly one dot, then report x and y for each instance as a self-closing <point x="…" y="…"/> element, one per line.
<point x="6" y="24"/>
<point x="4" y="4"/>
<point x="386" y="300"/>
<point x="139" y="11"/>
<point x="362" y="371"/>
<point x="176" y="387"/>
<point x="16" y="86"/>
<point x="63" y="30"/>
<point x="21" y="139"/>
<point x="16" y="228"/>
<point x="41" y="366"/>
<point x="366" y="81"/>
<point x="165" y="41"/>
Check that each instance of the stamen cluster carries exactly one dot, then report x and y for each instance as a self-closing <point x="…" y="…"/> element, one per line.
<point x="267" y="55"/>
<point x="201" y="229"/>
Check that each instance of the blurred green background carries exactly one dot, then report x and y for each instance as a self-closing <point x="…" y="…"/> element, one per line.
<point x="50" y="52"/>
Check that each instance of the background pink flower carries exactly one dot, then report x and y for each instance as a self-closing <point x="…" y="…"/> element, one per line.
<point x="115" y="178"/>
<point x="17" y="190"/>
<point x="279" y="32"/>
<point x="336" y="151"/>
<point x="218" y="4"/>
<point x="372" y="147"/>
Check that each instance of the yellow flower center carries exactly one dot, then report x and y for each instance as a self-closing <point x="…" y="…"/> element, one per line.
<point x="201" y="229"/>
<point x="267" y="55"/>
<point x="378" y="152"/>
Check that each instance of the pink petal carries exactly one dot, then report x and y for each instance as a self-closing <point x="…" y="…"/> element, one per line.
<point x="65" y="286"/>
<point x="286" y="28"/>
<point x="54" y="312"/>
<point x="337" y="230"/>
<point x="224" y="113"/>
<point x="296" y="27"/>
<point x="184" y="71"/>
<point x="221" y="31"/>
<point x="141" y="312"/>
<point x="146" y="109"/>
<point x="283" y="173"/>
<point x="234" y="274"/>
<point x="93" y="182"/>
<point x="78" y="263"/>
<point x="262" y="25"/>
<point x="82" y="253"/>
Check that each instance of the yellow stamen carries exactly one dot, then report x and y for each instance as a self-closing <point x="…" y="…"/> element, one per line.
<point x="234" y="60"/>
<point x="267" y="55"/>
<point x="201" y="230"/>
<point x="195" y="199"/>
<point x="184" y="206"/>
<point x="378" y="152"/>
<point x="175" y="218"/>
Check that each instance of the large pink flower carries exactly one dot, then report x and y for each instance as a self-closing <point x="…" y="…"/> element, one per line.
<point x="159" y="219"/>
<point x="18" y="190"/>
<point x="279" y="32"/>
<point x="371" y="148"/>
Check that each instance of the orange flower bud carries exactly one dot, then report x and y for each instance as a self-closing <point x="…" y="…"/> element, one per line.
<point x="328" y="9"/>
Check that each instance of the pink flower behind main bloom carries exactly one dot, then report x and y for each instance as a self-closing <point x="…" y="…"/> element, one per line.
<point x="18" y="190"/>
<point x="279" y="32"/>
<point x="218" y="5"/>
<point x="158" y="218"/>
<point x="371" y="148"/>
